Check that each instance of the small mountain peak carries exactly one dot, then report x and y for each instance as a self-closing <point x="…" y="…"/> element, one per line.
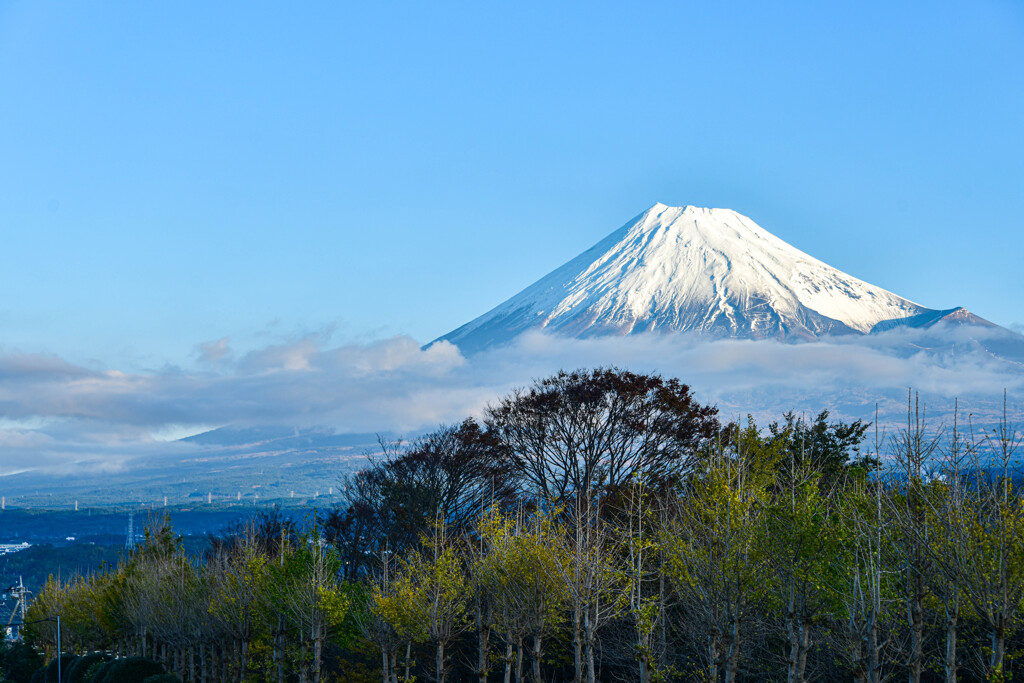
<point x="657" y="209"/>
<point x="689" y="210"/>
<point x="962" y="315"/>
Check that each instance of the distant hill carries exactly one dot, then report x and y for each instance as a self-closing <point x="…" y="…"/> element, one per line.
<point x="272" y="464"/>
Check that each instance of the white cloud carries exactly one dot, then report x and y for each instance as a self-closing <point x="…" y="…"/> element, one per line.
<point x="55" y="414"/>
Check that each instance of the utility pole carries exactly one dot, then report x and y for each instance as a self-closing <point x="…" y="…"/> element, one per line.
<point x="60" y="653"/>
<point x="20" y="596"/>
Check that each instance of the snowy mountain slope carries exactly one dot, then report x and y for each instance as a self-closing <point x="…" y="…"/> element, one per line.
<point x="686" y="269"/>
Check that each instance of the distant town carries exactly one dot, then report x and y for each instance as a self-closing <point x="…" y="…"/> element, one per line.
<point x="8" y="548"/>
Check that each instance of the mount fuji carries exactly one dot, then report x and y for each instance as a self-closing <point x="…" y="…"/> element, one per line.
<point x="710" y="272"/>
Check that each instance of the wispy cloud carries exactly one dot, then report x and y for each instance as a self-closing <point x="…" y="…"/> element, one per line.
<point x="54" y="414"/>
<point x="214" y="353"/>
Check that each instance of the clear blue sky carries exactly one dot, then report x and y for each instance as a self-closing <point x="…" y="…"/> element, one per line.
<point x="173" y="173"/>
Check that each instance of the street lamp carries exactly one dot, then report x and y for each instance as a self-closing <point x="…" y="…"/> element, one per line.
<point x="60" y="673"/>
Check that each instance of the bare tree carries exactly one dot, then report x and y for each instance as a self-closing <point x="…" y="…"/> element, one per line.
<point x="453" y="473"/>
<point x="946" y="539"/>
<point x="912" y="450"/>
<point x="306" y="588"/>
<point x="641" y="562"/>
<point x="589" y="579"/>
<point x="805" y="534"/>
<point x="868" y="590"/>
<point x="991" y="567"/>
<point x="443" y="593"/>
<point x="390" y="620"/>
<point x="717" y="545"/>
<point x="238" y="576"/>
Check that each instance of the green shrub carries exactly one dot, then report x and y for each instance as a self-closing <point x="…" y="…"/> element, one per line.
<point x="18" y="662"/>
<point x="131" y="670"/>
<point x="79" y="671"/>
<point x="98" y="671"/>
<point x="50" y="675"/>
<point x="163" y="678"/>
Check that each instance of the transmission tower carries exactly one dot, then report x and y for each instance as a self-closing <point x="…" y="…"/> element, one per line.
<point x="129" y="540"/>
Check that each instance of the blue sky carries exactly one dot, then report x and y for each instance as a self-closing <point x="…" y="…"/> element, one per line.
<point x="255" y="213"/>
<point x="172" y="174"/>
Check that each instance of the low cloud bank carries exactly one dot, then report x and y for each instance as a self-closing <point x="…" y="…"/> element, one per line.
<point x="58" y="416"/>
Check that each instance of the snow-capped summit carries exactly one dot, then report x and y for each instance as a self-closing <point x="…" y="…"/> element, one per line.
<point x="686" y="269"/>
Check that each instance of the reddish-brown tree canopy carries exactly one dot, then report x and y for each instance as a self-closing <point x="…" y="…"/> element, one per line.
<point x="580" y="430"/>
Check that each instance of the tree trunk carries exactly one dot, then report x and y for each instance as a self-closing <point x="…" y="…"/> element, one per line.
<point x="662" y="616"/>
<point x="714" y="655"/>
<point x="591" y="670"/>
<point x="588" y="643"/>
<point x="304" y="661"/>
<point x="799" y="643"/>
<point x="536" y="658"/>
<point x="318" y="647"/>
<point x="645" y="669"/>
<point x="439" y="664"/>
<point x="508" y="662"/>
<point x="733" y="661"/>
<point x="805" y="647"/>
<point x="858" y="661"/>
<point x="874" y="663"/>
<point x="915" y="617"/>
<point x="998" y="638"/>
<point x="519" y="659"/>
<point x="386" y="672"/>
<point x="279" y="645"/>
<point x="483" y="650"/>
<point x="577" y="644"/>
<point x="949" y="658"/>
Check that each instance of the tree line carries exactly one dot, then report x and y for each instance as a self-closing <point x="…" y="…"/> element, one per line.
<point x="596" y="526"/>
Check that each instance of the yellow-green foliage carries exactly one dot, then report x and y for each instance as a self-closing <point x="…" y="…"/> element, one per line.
<point x="520" y="569"/>
<point x="400" y="604"/>
<point x="718" y="542"/>
<point x="427" y="596"/>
